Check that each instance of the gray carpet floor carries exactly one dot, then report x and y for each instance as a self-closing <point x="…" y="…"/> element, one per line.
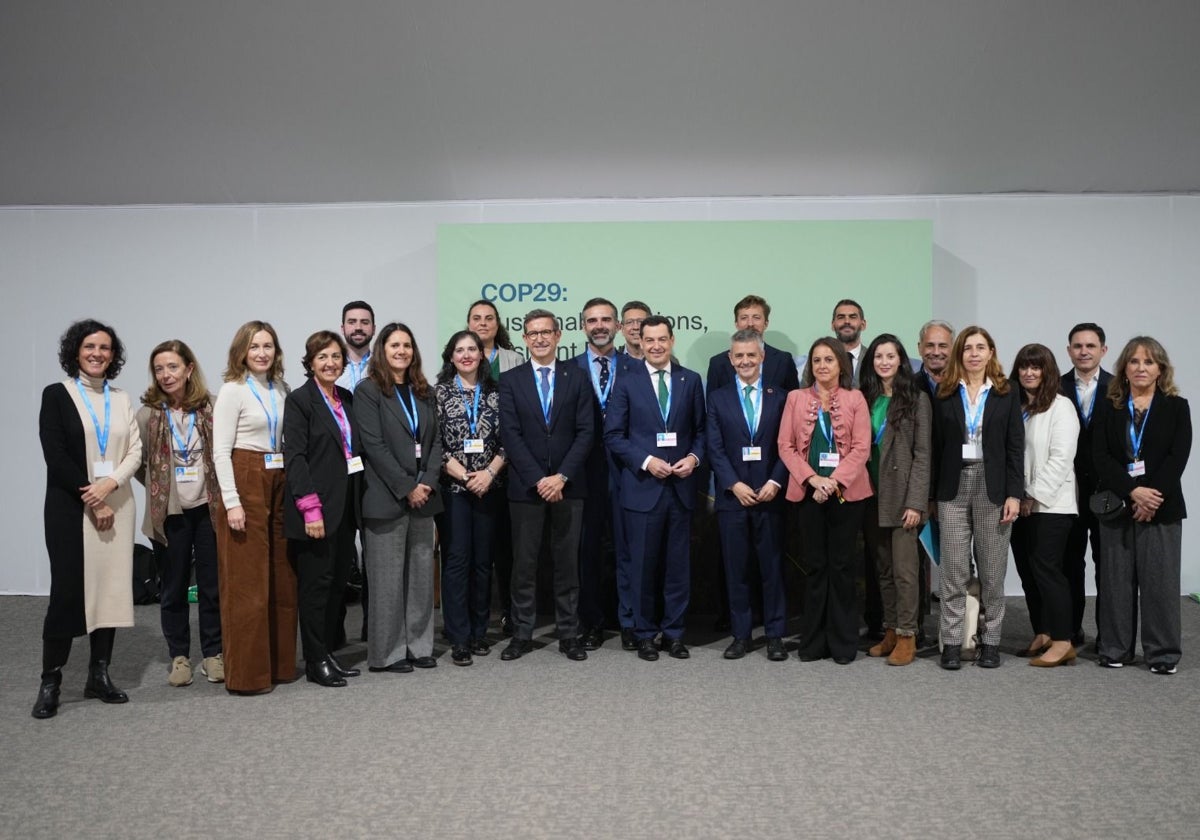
<point x="611" y="747"/>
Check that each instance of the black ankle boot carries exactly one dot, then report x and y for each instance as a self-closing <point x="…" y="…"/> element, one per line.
<point x="100" y="686"/>
<point x="46" y="705"/>
<point x="323" y="673"/>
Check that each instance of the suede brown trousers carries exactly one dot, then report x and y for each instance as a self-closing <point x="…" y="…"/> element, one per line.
<point x="257" y="583"/>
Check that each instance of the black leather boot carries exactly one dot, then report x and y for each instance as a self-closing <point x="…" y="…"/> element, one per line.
<point x="46" y="705"/>
<point x="100" y="687"/>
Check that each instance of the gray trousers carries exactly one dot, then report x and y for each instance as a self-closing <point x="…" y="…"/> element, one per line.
<point x="400" y="580"/>
<point x="529" y="523"/>
<point x="1140" y="558"/>
<point x="972" y="520"/>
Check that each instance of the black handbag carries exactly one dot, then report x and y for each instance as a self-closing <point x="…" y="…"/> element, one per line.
<point x="1106" y="505"/>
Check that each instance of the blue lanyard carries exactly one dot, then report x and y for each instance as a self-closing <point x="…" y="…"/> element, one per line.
<point x="342" y="421"/>
<point x="102" y="433"/>
<point x="356" y="370"/>
<point x="181" y="443"/>
<point x="1087" y="415"/>
<point x="547" y="399"/>
<point x="602" y="396"/>
<point x="826" y="426"/>
<point x="973" y="420"/>
<point x="411" y="415"/>
<point x="879" y="434"/>
<point x="495" y="352"/>
<point x="1135" y="436"/>
<point x="272" y="415"/>
<point x="753" y="426"/>
<point x="473" y="410"/>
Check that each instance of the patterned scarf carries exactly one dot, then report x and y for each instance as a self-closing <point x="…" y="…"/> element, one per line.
<point x="159" y="464"/>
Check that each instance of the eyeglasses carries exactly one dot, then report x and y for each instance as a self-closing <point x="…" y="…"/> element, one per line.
<point x="540" y="333"/>
<point x="633" y="322"/>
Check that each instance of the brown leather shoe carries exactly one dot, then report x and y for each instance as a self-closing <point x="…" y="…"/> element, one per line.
<point x="904" y="652"/>
<point x="886" y="645"/>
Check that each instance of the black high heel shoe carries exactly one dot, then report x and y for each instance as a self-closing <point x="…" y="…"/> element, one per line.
<point x="323" y="673"/>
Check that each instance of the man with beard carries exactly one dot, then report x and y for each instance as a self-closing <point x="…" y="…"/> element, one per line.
<point x="1084" y="384"/>
<point x="601" y="506"/>
<point x="933" y="343"/>
<point x="358" y="328"/>
<point x="848" y="325"/>
<point x="632" y="315"/>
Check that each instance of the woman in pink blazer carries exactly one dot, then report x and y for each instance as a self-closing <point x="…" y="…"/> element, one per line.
<point x="825" y="441"/>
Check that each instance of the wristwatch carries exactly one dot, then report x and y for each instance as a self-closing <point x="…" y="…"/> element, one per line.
<point x="562" y="477"/>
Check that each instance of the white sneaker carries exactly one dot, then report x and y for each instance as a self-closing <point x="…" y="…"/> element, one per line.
<point x="213" y="667"/>
<point x="181" y="672"/>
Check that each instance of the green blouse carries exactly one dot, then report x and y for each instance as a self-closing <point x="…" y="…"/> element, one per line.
<point x="879" y="410"/>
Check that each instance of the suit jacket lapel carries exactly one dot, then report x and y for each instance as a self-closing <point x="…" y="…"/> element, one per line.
<point x="322" y="408"/>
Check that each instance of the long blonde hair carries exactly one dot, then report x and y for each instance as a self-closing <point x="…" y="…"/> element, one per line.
<point x="235" y="369"/>
<point x="195" y="390"/>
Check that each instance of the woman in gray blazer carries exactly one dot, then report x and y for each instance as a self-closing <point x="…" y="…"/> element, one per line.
<point x="901" y="422"/>
<point x="402" y="457"/>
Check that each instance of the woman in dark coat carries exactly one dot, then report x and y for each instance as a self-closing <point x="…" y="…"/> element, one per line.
<point x="323" y="457"/>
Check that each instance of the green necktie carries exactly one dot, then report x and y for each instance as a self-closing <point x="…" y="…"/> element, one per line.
<point x="664" y="395"/>
<point x="748" y="404"/>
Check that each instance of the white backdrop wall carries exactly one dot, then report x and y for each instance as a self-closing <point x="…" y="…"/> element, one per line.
<point x="1026" y="267"/>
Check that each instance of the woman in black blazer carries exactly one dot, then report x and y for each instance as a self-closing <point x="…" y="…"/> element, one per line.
<point x="1141" y="442"/>
<point x="978" y="469"/>
<point x="323" y="458"/>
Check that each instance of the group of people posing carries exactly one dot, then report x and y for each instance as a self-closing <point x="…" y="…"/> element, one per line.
<point x="263" y="491"/>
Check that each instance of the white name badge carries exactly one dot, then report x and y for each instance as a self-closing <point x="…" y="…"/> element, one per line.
<point x="972" y="452"/>
<point x="102" y="469"/>
<point x="417" y="451"/>
<point x="1135" y="469"/>
<point x="751" y="453"/>
<point x="473" y="446"/>
<point x="829" y="459"/>
<point x="273" y="460"/>
<point x="354" y="465"/>
<point x="666" y="439"/>
<point x="187" y="475"/>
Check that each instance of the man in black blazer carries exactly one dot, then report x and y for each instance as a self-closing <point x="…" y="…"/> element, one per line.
<point x="655" y="429"/>
<point x="1084" y="385"/>
<point x="779" y="368"/>
<point x="742" y="438"/>
<point x="546" y="427"/>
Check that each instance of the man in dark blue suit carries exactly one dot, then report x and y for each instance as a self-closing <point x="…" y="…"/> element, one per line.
<point x="546" y="427"/>
<point x="1084" y="384"/>
<point x="601" y="508"/>
<point x="742" y="433"/>
<point x="655" y="429"/>
<point x="779" y="368"/>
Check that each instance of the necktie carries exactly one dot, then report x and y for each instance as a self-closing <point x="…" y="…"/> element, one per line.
<point x="748" y="404"/>
<point x="603" y="360"/>
<point x="545" y="372"/>
<point x="663" y="395"/>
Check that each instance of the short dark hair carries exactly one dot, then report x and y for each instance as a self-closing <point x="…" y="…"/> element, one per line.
<point x="534" y="314"/>
<point x="635" y="304"/>
<point x="72" y="340"/>
<point x="1087" y="326"/>
<point x="317" y="342"/>
<point x="752" y="300"/>
<point x="847" y="302"/>
<point x="357" y="304"/>
<point x="658" y="321"/>
<point x="599" y="301"/>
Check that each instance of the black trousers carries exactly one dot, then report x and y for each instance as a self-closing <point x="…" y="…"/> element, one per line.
<point x="829" y="621"/>
<point x="1037" y="545"/>
<point x="529" y="523"/>
<point x="190" y="539"/>
<point x="1085" y="531"/>
<point x="322" y="568"/>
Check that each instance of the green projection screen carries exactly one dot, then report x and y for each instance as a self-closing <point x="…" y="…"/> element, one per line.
<point x="692" y="272"/>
